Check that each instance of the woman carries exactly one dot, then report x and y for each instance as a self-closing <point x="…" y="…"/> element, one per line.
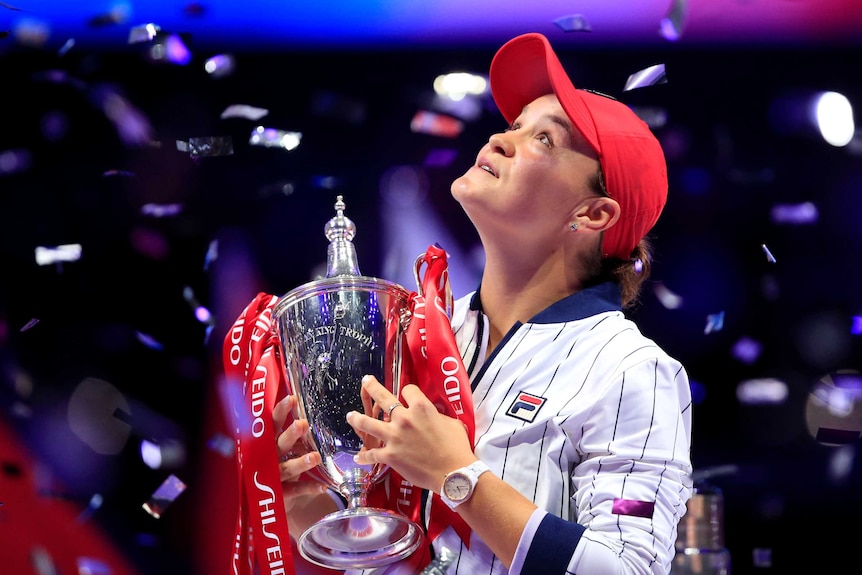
<point x="582" y="424"/>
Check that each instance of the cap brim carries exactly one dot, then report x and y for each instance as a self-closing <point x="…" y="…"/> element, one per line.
<point x="525" y="68"/>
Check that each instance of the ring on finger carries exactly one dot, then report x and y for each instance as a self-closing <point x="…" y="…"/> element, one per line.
<point x="391" y="407"/>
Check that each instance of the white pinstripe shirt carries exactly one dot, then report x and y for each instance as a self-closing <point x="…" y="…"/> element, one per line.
<point x="591" y="421"/>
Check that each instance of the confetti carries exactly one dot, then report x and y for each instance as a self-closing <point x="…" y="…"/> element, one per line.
<point x="435" y="124"/>
<point x="763" y="391"/>
<point x="91" y="415"/>
<point x="209" y="329"/>
<point x="14" y="161"/>
<point x="668" y="299"/>
<point x="672" y="25"/>
<point x="162" y="497"/>
<point x="840" y="465"/>
<point x="149" y="341"/>
<point x="714" y="322"/>
<point x="220" y="66"/>
<point x="272" y="138"/>
<point x="747" y="350"/>
<point x="143" y="33"/>
<point x="62" y="253"/>
<point x="211" y="255"/>
<point x="804" y="213"/>
<point x="68" y="45"/>
<point x="95" y="503"/>
<point x="171" y="49"/>
<point x="769" y="257"/>
<point x="161" y="210"/>
<point x="131" y="125"/>
<point x="646" y="77"/>
<point x="91" y="566"/>
<point x="202" y="314"/>
<point x="573" y="23"/>
<point x="222" y="444"/>
<point x="707" y="473"/>
<point x="42" y="562"/>
<point x="206" y="146"/>
<point x="244" y="111"/>
<point x="29" y="325"/>
<point x="163" y="455"/>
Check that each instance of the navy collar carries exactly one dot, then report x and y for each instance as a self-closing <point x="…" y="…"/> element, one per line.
<point x="593" y="300"/>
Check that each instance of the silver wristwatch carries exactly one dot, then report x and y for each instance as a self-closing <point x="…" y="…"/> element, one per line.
<point x="458" y="485"/>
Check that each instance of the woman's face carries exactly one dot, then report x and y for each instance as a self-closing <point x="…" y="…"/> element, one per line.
<point x="528" y="180"/>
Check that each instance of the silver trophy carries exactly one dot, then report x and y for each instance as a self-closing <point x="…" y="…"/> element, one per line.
<point x="332" y="331"/>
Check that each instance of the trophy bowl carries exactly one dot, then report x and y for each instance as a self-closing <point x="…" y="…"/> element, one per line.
<point x="331" y="333"/>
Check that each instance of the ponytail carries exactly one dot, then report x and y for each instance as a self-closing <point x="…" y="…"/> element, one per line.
<point x="630" y="274"/>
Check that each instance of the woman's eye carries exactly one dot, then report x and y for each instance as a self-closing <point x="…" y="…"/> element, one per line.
<point x="545" y="139"/>
<point x="512" y="127"/>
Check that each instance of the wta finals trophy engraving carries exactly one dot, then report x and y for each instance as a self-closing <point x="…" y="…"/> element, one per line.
<point x="332" y="331"/>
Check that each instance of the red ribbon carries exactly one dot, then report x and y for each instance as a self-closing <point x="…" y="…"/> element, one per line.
<point x="253" y="382"/>
<point x="433" y="362"/>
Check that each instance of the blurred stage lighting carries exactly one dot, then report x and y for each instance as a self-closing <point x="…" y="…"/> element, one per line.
<point x="826" y="114"/>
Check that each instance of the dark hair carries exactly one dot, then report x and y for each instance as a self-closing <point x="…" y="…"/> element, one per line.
<point x="630" y="274"/>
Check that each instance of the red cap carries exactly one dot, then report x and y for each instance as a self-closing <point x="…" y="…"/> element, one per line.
<point x="632" y="160"/>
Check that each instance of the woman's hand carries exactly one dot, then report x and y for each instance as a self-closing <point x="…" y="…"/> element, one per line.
<point x="413" y="437"/>
<point x="305" y="499"/>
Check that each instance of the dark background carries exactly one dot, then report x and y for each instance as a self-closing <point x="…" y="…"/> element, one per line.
<point x="119" y="313"/>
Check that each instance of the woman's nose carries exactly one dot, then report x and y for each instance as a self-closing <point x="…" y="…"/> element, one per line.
<point x="500" y="143"/>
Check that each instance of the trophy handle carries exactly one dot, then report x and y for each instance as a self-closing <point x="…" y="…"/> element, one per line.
<point x="444" y="278"/>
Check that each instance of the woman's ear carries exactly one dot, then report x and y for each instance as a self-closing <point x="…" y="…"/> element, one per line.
<point x="599" y="213"/>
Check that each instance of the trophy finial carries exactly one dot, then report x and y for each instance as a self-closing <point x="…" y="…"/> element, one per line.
<point x="340" y="227"/>
<point x="341" y="254"/>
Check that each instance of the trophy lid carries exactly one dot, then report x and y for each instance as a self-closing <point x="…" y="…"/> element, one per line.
<point x="341" y="254"/>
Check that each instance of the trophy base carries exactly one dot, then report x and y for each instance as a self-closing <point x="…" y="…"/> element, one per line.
<point x="360" y="538"/>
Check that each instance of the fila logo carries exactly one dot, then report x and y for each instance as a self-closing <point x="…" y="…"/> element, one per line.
<point x="526" y="407"/>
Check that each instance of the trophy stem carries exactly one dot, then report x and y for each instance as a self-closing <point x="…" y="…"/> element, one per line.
<point x="355" y="487"/>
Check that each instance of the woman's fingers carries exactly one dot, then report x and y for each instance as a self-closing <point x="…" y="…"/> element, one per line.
<point x="292" y="468"/>
<point x="282" y="409"/>
<point x="290" y="440"/>
<point x="380" y="398"/>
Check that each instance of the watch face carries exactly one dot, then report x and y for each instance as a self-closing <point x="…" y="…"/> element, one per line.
<point x="457" y="486"/>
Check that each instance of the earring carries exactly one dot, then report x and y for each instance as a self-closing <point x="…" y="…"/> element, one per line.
<point x="573" y="226"/>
